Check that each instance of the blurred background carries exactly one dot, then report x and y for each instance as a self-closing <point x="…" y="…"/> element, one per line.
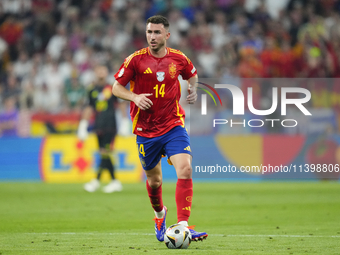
<point x="49" y="48"/>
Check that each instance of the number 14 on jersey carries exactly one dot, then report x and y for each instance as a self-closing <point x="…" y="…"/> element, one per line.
<point x="161" y="90"/>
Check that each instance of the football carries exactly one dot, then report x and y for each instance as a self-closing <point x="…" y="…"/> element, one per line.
<point x="177" y="236"/>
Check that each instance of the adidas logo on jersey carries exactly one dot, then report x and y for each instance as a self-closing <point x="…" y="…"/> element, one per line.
<point x="148" y="70"/>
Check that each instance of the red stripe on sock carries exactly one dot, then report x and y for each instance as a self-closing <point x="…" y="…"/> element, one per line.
<point x="155" y="196"/>
<point x="184" y="194"/>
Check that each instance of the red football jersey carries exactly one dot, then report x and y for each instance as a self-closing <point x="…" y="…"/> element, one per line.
<point x="159" y="76"/>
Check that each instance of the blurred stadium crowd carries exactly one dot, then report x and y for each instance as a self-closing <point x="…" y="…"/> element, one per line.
<point x="48" y="48"/>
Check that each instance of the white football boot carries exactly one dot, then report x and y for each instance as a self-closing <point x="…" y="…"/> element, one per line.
<point x="92" y="186"/>
<point x="113" y="186"/>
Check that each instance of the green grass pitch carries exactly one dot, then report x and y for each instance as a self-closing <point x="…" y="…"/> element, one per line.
<point x="240" y="218"/>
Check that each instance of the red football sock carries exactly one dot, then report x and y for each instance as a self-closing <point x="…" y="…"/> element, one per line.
<point x="155" y="196"/>
<point x="183" y="199"/>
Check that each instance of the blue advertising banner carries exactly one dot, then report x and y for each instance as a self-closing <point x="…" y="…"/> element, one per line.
<point x="19" y="158"/>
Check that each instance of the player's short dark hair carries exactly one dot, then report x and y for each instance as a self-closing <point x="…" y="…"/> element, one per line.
<point x="159" y="19"/>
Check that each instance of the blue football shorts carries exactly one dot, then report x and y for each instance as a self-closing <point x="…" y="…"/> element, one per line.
<point x="173" y="142"/>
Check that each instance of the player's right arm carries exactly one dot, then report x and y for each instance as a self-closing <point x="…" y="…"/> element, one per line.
<point x="141" y="100"/>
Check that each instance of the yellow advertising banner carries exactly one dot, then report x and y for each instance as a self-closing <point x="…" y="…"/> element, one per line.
<point x="65" y="159"/>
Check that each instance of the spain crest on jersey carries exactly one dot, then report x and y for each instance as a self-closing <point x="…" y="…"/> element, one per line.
<point x="160" y="76"/>
<point x="172" y="70"/>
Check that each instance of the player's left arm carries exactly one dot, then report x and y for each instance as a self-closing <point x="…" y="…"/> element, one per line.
<point x="189" y="73"/>
<point x="192" y="89"/>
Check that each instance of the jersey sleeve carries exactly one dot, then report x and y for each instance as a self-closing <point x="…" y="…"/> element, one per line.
<point x="189" y="70"/>
<point x="126" y="72"/>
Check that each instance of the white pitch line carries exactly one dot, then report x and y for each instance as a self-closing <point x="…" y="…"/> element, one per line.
<point x="151" y="234"/>
<point x="297" y="236"/>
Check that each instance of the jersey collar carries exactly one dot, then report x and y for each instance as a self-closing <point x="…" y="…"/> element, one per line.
<point x="167" y="52"/>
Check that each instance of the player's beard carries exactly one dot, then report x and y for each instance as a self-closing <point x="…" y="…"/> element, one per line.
<point x="158" y="46"/>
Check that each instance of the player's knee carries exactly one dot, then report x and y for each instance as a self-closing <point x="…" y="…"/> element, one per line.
<point x="185" y="172"/>
<point x="155" y="182"/>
